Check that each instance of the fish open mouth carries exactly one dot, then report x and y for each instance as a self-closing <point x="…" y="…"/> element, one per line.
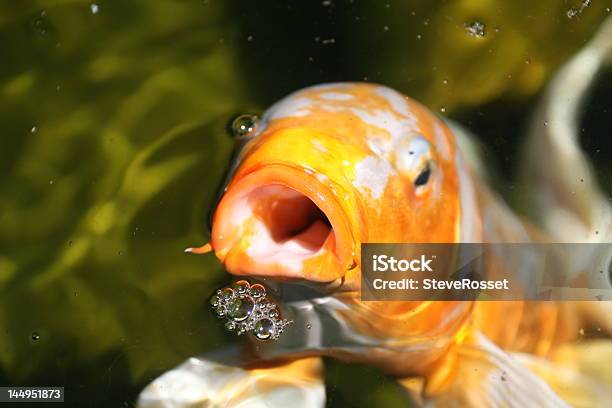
<point x="294" y="225"/>
<point x="277" y="221"/>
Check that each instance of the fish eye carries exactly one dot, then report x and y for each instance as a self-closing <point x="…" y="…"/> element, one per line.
<point x="244" y="126"/>
<point x="423" y="176"/>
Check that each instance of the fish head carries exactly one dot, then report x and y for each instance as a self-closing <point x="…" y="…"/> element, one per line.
<point x="331" y="167"/>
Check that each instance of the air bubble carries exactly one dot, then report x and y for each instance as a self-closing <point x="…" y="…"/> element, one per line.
<point x="214" y="301"/>
<point x="475" y="29"/>
<point x="226" y="293"/>
<point x="257" y="291"/>
<point x="264" y="329"/>
<point x="244" y="126"/>
<point x="240" y="309"/>
<point x="241" y="287"/>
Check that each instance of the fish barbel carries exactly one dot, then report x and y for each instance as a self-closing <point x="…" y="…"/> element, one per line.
<point x="333" y="166"/>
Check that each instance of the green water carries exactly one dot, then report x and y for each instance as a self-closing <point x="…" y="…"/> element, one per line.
<point x="113" y="118"/>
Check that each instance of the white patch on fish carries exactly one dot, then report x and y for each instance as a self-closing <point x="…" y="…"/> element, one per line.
<point x="395" y="99"/>
<point x="336" y="96"/>
<point x="441" y="141"/>
<point x="372" y="175"/>
<point x="387" y="120"/>
<point x="321" y="177"/>
<point x="468" y="228"/>
<point x="319" y="146"/>
<point x="290" y="106"/>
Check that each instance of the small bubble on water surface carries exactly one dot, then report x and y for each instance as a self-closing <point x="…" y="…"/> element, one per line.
<point x="34" y="129"/>
<point x="250" y="38"/>
<point x="35" y="336"/>
<point x="244" y="126"/>
<point x="419" y="36"/>
<point x="442" y="109"/>
<point x="386" y="28"/>
<point x="326" y="3"/>
<point x="51" y="181"/>
<point x="475" y="29"/>
<point x="94" y="8"/>
<point x="309" y="326"/>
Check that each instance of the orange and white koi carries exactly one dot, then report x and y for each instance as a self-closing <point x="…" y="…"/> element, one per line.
<point x="336" y="165"/>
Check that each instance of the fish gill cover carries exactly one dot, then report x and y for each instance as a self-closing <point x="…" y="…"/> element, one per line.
<point x="114" y="142"/>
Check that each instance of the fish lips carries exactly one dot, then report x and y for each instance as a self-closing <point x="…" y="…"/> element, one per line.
<point x="236" y="250"/>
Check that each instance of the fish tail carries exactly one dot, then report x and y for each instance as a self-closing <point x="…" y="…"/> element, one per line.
<point x="209" y="381"/>
<point x="567" y="201"/>
<point x="566" y="198"/>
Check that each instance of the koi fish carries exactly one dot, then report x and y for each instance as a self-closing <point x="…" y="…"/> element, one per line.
<point x="332" y="166"/>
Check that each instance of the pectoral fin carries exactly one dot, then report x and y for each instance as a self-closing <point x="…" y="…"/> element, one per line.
<point x="476" y="373"/>
<point x="207" y="382"/>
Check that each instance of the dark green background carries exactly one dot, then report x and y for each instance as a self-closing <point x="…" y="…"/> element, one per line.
<point x="113" y="141"/>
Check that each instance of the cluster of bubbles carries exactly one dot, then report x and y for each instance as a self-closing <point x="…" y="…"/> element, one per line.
<point x="247" y="309"/>
<point x="475" y="28"/>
